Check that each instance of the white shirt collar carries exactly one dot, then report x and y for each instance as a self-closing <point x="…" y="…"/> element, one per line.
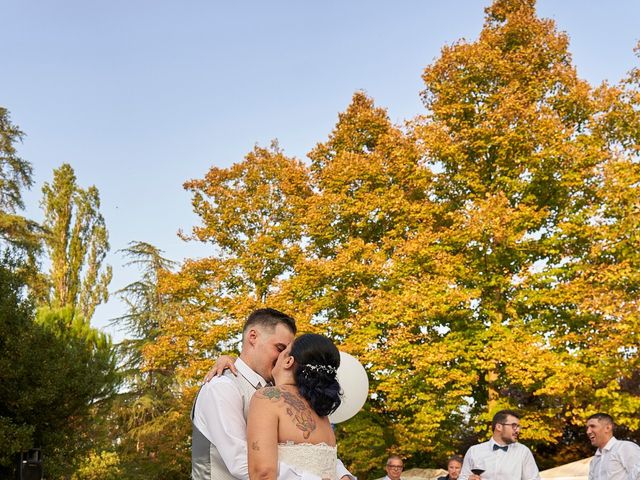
<point x="607" y="447"/>
<point x="252" y="377"/>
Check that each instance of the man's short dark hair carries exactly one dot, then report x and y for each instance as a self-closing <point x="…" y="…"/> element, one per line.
<point x="455" y="458"/>
<point x="501" y="417"/>
<point x="269" y="318"/>
<point x="602" y="417"/>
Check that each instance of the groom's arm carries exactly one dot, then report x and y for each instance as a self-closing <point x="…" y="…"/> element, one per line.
<point x="222" y="416"/>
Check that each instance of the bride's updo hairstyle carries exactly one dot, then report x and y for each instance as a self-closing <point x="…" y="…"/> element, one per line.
<point x="317" y="361"/>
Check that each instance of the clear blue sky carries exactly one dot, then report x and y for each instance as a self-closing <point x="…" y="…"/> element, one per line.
<point x="141" y="95"/>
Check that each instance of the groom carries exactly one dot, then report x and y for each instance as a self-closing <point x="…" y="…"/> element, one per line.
<point x="219" y="414"/>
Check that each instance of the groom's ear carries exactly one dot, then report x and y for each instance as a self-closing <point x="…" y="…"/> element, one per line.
<point x="252" y="336"/>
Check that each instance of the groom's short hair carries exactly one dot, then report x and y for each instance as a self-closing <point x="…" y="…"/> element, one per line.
<point x="603" y="418"/>
<point x="269" y="318"/>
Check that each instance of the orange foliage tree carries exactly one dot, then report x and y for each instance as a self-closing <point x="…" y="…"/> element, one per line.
<point x="483" y="256"/>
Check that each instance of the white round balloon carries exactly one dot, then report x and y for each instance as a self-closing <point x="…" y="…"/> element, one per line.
<point x="355" y="388"/>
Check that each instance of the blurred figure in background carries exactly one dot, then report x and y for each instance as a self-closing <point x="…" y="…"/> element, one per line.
<point x="454" y="465"/>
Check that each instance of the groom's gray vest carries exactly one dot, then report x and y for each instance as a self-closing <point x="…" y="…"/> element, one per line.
<point x="206" y="462"/>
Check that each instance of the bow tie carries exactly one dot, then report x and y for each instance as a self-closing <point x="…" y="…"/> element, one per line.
<point x="498" y="447"/>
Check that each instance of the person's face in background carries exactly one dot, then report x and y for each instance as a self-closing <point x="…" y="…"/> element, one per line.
<point x="394" y="468"/>
<point x="507" y="432"/>
<point x="453" y="469"/>
<point x="599" y="432"/>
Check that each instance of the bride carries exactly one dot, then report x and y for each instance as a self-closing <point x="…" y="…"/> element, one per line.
<point x="289" y="422"/>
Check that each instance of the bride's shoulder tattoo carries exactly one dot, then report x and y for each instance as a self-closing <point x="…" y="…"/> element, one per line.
<point x="295" y="406"/>
<point x="270" y="393"/>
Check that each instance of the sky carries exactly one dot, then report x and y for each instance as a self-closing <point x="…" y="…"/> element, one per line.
<point x="140" y="96"/>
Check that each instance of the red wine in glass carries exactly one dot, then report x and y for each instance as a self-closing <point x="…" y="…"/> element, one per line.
<point x="477" y="471"/>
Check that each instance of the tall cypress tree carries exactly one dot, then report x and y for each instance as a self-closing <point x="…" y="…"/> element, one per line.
<point x="77" y="242"/>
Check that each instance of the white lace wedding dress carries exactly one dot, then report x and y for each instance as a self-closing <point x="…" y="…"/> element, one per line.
<point x="318" y="459"/>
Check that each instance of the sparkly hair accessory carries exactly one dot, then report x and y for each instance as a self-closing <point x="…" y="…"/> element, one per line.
<point x="308" y="368"/>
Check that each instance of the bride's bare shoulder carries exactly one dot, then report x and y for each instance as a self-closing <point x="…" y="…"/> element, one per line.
<point x="284" y="393"/>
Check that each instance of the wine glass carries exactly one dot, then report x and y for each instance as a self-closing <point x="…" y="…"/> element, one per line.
<point x="478" y="467"/>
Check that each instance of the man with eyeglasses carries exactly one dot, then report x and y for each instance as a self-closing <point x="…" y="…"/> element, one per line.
<point x="394" y="468"/>
<point x="502" y="457"/>
<point x="614" y="459"/>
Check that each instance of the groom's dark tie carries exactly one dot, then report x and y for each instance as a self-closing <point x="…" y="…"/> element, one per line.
<point x="498" y="447"/>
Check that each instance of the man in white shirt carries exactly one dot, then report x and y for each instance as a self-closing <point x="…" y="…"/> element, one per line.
<point x="502" y="457"/>
<point x="219" y="415"/>
<point x="614" y="459"/>
<point x="394" y="468"/>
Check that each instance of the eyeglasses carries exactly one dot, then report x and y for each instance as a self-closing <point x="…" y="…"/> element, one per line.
<point x="515" y="426"/>
<point x="395" y="467"/>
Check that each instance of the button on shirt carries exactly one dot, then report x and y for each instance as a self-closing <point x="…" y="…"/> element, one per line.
<point x="615" y="461"/>
<point x="517" y="463"/>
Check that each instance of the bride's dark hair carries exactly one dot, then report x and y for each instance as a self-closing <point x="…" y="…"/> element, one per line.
<point x="317" y="361"/>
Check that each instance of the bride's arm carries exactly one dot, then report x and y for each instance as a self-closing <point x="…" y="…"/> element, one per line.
<point x="262" y="437"/>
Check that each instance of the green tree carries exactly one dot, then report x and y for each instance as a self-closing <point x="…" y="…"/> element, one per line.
<point x="17" y="233"/>
<point x="55" y="373"/>
<point x="15" y="173"/>
<point x="147" y="409"/>
<point x="79" y="393"/>
<point x="16" y="330"/>
<point x="76" y="241"/>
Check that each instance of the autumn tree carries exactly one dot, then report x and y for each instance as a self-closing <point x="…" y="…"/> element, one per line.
<point x="250" y="218"/>
<point x="522" y="180"/>
<point x="597" y="278"/>
<point x="76" y="241"/>
<point x="482" y="256"/>
<point x="372" y="271"/>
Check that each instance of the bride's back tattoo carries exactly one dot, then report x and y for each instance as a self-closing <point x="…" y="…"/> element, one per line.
<point x="295" y="406"/>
